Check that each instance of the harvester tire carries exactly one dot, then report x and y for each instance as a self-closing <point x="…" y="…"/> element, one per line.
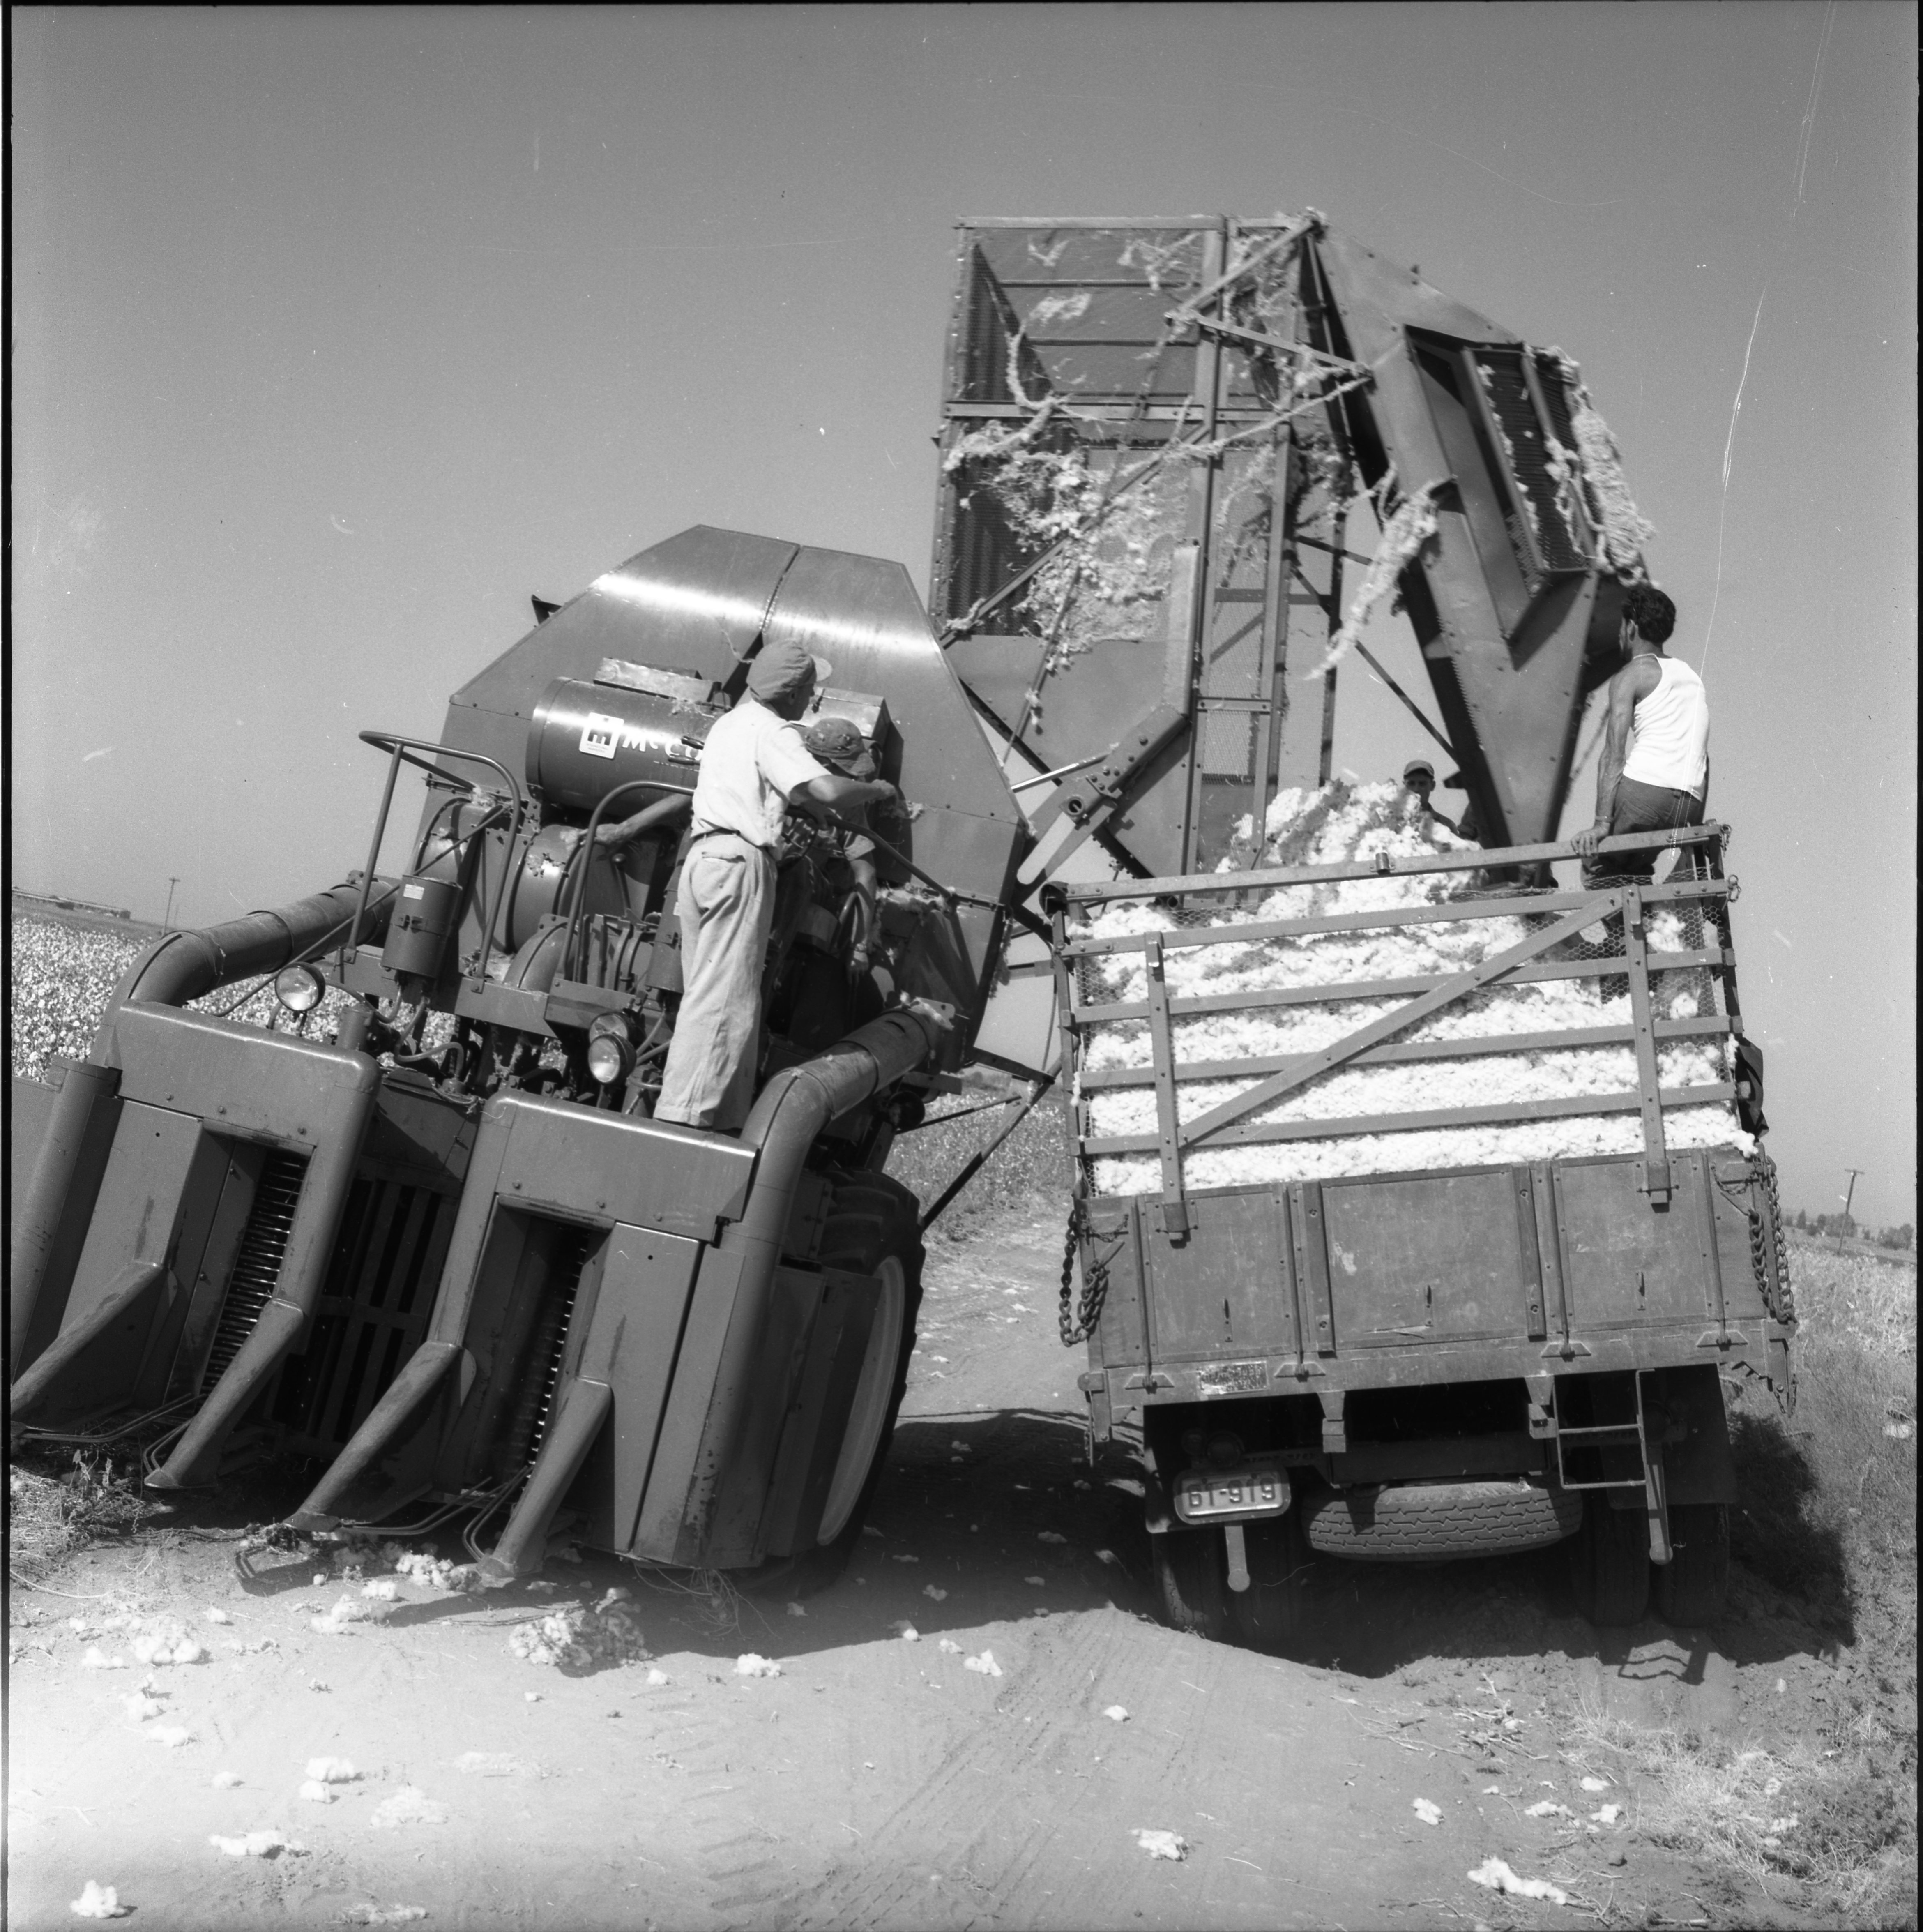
<point x="1608" y="1565"/>
<point x="1692" y="1587"/>
<point x="1192" y="1572"/>
<point x="872" y="1228"/>
<point x="1272" y="1614"/>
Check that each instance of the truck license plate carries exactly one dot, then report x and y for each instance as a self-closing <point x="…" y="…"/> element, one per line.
<point x="1256" y="1489"/>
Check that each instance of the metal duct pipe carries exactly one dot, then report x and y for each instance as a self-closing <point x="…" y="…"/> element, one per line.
<point x="794" y="1107"/>
<point x="183" y="966"/>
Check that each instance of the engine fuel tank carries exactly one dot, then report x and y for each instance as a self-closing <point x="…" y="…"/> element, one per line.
<point x="585" y="739"/>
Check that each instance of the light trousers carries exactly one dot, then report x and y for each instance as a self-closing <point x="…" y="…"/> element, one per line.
<point x="725" y="905"/>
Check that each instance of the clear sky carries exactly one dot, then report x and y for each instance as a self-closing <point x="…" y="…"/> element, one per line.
<point x="338" y="333"/>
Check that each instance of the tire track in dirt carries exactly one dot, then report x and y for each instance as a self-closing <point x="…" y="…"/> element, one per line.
<point x="1042" y="1726"/>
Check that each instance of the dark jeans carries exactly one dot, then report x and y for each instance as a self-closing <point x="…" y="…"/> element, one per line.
<point x="1640" y="807"/>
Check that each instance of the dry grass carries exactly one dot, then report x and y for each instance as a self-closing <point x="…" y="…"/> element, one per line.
<point x="1828" y="1523"/>
<point x="1825" y="1814"/>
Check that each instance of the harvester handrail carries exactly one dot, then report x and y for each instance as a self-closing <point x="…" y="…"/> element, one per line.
<point x="395" y="744"/>
<point x="1473" y="859"/>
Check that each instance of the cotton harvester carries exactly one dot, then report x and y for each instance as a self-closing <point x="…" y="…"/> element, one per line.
<point x="449" y="1254"/>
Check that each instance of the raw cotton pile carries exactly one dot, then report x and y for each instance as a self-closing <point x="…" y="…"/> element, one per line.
<point x="1344" y="824"/>
<point x="583" y="1639"/>
<point x="1623" y="529"/>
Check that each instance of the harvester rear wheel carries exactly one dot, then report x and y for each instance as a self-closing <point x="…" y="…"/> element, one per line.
<point x="872" y="1229"/>
<point x="1693" y="1586"/>
<point x="1609" y="1564"/>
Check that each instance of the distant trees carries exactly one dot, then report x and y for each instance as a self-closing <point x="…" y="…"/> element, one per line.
<point x="1902" y="1235"/>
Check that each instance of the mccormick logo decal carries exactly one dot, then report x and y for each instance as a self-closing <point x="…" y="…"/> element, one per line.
<point x="601" y="733"/>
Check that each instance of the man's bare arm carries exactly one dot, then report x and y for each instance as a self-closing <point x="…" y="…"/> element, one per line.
<point x="662" y="811"/>
<point x="1625" y="688"/>
<point x="842" y="798"/>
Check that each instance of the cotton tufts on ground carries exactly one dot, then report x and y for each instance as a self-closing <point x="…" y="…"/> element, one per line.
<point x="1344" y="824"/>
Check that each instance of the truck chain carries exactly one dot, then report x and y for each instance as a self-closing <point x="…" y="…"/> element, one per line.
<point x="1077" y="1324"/>
<point x="1778" y="1295"/>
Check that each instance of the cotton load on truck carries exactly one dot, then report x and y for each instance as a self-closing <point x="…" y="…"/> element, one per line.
<point x="447" y="1253"/>
<point x="1421" y="1208"/>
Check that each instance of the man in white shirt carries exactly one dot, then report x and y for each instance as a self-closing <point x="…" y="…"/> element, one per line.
<point x="754" y="765"/>
<point x="1653" y="775"/>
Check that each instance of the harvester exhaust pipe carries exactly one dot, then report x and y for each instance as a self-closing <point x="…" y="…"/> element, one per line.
<point x="54" y="1217"/>
<point x="738" y="1440"/>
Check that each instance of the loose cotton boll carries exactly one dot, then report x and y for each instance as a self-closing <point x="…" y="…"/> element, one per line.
<point x="935" y="1591"/>
<point x="315" y="1793"/>
<point x="752" y="1666"/>
<point x="225" y="1780"/>
<point x="383" y="1915"/>
<point x="172" y="1735"/>
<point x="140" y="1707"/>
<point x="97" y="1901"/>
<point x="657" y="1677"/>
<point x="1117" y="1714"/>
<point x="409" y="1805"/>
<point x="332" y="1770"/>
<point x="949" y="1647"/>
<point x="1162" y="1844"/>
<point x="907" y="1632"/>
<point x="383" y="1590"/>
<point x="984" y="1665"/>
<point x="269" y="1844"/>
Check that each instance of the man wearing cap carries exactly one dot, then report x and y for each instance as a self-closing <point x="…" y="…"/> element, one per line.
<point x="753" y="766"/>
<point x="838" y="743"/>
<point x="1419" y="775"/>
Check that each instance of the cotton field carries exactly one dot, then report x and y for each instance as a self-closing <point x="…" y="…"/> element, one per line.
<point x="1340" y="825"/>
<point x="63" y="978"/>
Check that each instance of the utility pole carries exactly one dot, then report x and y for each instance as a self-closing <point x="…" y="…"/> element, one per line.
<point x="167" y="917"/>
<point x="1853" y="1172"/>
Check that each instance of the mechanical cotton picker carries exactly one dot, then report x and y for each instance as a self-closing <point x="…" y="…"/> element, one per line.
<point x="447" y="1253"/>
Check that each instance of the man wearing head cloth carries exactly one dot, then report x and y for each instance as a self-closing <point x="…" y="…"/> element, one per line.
<point x="754" y="765"/>
<point x="838" y="743"/>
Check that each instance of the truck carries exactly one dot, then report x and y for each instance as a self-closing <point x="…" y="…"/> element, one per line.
<point x="446" y="1252"/>
<point x="1489" y="1318"/>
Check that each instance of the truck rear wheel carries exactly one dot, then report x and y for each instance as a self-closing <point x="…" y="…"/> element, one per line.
<point x="872" y="1229"/>
<point x="1693" y="1585"/>
<point x="1609" y="1564"/>
<point x="1191" y="1572"/>
<point x="1272" y="1614"/>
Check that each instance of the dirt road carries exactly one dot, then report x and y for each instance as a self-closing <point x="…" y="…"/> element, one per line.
<point x="877" y="1781"/>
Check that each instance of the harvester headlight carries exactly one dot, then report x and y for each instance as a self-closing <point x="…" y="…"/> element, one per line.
<point x="609" y="1057"/>
<point x="299" y="988"/>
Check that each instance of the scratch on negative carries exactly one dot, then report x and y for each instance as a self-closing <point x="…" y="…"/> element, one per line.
<point x="1729" y="452"/>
